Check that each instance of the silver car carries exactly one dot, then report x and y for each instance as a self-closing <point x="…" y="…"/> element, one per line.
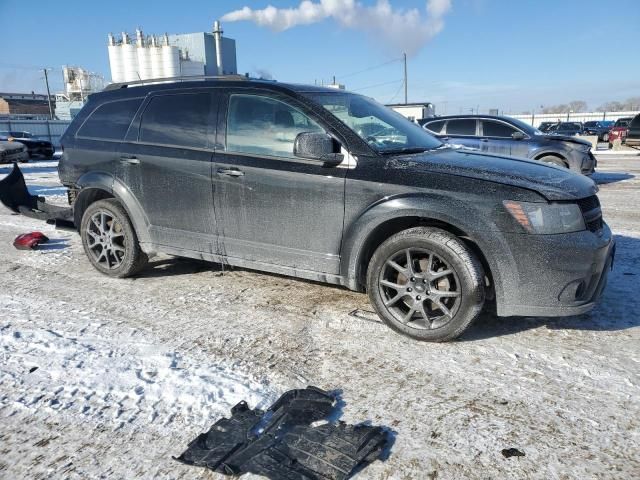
<point x="11" y="152"/>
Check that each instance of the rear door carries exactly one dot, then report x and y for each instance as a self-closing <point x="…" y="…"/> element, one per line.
<point x="462" y="131"/>
<point x="166" y="162"/>
<point x="496" y="137"/>
<point x="273" y="207"/>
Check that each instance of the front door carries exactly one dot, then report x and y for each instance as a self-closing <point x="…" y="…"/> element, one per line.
<point x="272" y="207"/>
<point x="167" y="166"/>
<point x="496" y="137"/>
<point x="462" y="131"/>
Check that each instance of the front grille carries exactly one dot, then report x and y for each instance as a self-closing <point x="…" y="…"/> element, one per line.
<point x="591" y="212"/>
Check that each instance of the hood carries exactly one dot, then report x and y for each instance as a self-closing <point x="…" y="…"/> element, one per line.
<point x="11" y="146"/>
<point x="567" y="138"/>
<point x="550" y="181"/>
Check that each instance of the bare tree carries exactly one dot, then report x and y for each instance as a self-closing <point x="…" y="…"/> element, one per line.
<point x="578" y="106"/>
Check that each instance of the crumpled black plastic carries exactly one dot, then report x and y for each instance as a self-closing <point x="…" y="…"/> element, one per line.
<point x="282" y="443"/>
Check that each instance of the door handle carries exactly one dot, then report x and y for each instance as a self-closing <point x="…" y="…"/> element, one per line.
<point x="232" y="172"/>
<point x="484" y="139"/>
<point x="129" y="160"/>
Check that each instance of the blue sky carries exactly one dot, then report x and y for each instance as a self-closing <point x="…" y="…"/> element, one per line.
<point x="513" y="55"/>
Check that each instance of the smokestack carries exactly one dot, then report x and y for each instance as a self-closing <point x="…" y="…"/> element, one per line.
<point x="111" y="40"/>
<point x="139" y="38"/>
<point x="125" y="38"/>
<point x="217" y="35"/>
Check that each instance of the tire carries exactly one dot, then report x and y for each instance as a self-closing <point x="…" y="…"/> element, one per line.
<point x="433" y="252"/>
<point x="112" y="248"/>
<point x="553" y="160"/>
<point x="605" y="137"/>
<point x="610" y="145"/>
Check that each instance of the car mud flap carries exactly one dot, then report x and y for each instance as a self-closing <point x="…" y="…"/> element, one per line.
<point x="284" y="443"/>
<point x="16" y="197"/>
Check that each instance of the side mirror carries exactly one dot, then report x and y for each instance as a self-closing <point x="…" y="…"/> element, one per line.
<point x="317" y="146"/>
<point x="518" y="135"/>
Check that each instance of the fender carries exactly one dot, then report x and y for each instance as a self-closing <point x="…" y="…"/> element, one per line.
<point x="107" y="182"/>
<point x="476" y="225"/>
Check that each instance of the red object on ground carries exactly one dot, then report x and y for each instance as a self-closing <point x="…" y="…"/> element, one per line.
<point x="29" y="241"/>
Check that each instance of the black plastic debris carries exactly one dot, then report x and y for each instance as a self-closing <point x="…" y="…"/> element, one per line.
<point x="512" y="452"/>
<point x="283" y="443"/>
<point x="15" y="195"/>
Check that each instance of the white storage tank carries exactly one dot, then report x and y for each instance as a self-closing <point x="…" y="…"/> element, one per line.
<point x="155" y="59"/>
<point x="115" y="61"/>
<point x="129" y="59"/>
<point x="170" y="59"/>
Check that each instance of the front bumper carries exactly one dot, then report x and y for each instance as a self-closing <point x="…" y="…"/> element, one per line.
<point x="555" y="275"/>
<point x="15" y="157"/>
<point x="581" y="161"/>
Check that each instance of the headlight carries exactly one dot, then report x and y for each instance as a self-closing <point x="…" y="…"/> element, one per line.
<point x="546" y="218"/>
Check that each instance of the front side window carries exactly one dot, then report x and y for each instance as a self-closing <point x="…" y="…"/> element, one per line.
<point x="461" y="127"/>
<point x="111" y="120"/>
<point x="385" y="131"/>
<point x="497" y="129"/>
<point x="265" y="126"/>
<point x="180" y="120"/>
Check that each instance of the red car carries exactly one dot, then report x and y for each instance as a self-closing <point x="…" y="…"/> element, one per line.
<point x="619" y="130"/>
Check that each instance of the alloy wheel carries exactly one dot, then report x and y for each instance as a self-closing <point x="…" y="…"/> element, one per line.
<point x="106" y="240"/>
<point x="419" y="288"/>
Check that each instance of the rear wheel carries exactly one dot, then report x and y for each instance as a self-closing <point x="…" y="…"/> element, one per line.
<point x="110" y="241"/>
<point x="553" y="160"/>
<point x="425" y="283"/>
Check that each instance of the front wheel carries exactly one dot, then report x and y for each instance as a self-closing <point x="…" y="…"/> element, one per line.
<point x="426" y="283"/>
<point x="110" y="241"/>
<point x="605" y="137"/>
<point x="554" y="161"/>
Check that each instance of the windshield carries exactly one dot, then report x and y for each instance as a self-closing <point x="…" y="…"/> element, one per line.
<point x="383" y="129"/>
<point x="525" y="127"/>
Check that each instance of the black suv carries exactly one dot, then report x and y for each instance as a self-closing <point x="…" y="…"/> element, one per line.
<point x="633" y="134"/>
<point x="510" y="136"/>
<point x="330" y="186"/>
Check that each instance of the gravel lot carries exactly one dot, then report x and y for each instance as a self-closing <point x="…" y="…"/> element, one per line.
<point x="104" y="378"/>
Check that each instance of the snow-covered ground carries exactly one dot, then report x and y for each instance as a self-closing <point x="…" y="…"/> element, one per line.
<point x="105" y="378"/>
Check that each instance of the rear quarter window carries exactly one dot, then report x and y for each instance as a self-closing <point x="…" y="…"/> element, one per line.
<point x="111" y="120"/>
<point x="434" y="127"/>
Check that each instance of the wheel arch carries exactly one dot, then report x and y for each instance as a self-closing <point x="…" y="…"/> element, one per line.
<point x="96" y="186"/>
<point x="552" y="154"/>
<point x="364" y="238"/>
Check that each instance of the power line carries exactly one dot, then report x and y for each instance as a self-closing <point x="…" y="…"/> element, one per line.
<point x="368" y="69"/>
<point x="397" y="92"/>
<point x="376" y="85"/>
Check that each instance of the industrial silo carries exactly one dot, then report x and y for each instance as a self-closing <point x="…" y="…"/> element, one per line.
<point x="170" y="59"/>
<point x="115" y="61"/>
<point x="129" y="59"/>
<point x="143" y="54"/>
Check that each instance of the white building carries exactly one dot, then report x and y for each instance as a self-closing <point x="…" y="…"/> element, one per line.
<point x="152" y="57"/>
<point x="414" y="111"/>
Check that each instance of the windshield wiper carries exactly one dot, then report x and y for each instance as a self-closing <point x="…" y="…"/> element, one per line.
<point x="405" y="150"/>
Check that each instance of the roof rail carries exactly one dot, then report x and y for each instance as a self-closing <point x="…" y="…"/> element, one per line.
<point x="151" y="81"/>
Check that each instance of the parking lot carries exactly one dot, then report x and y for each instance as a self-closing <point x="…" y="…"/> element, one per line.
<point x="110" y="378"/>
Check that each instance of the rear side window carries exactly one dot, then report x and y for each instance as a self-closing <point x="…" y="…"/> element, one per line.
<point x="180" y="120"/>
<point x="496" y="129"/>
<point x="111" y="120"/>
<point x="461" y="127"/>
<point x="435" y="127"/>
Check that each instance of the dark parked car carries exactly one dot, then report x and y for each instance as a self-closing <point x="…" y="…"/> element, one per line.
<point x="601" y="129"/>
<point x="275" y="177"/>
<point x="619" y="130"/>
<point x="11" y="152"/>
<point x="633" y="133"/>
<point x="567" y="129"/>
<point x="36" y="148"/>
<point x="509" y="136"/>
<point x="545" y="126"/>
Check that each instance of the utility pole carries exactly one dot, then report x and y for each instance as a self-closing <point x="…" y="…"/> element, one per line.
<point x="46" y="80"/>
<point x="404" y="56"/>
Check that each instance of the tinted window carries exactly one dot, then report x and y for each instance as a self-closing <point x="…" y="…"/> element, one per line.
<point x="496" y="129"/>
<point x="461" y="127"/>
<point x="635" y="123"/>
<point x="435" y="127"/>
<point x="180" y="120"/>
<point x="622" y="122"/>
<point x="265" y="126"/>
<point x="591" y="124"/>
<point x="110" y="121"/>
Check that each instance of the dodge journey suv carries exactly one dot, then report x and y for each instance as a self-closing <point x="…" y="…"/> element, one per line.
<point x="330" y="186"/>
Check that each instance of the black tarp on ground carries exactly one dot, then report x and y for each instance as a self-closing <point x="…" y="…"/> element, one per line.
<point x="282" y="443"/>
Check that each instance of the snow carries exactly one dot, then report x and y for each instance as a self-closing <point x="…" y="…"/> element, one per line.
<point x="106" y="378"/>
